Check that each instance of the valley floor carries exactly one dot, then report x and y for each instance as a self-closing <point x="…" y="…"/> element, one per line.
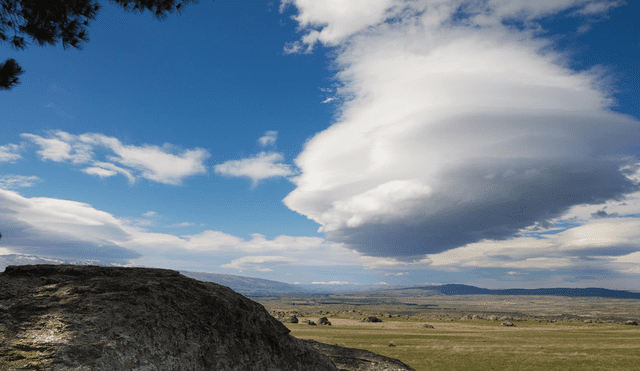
<point x="485" y="345"/>
<point x="550" y="333"/>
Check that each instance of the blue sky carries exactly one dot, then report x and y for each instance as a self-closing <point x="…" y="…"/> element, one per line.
<point x="492" y="142"/>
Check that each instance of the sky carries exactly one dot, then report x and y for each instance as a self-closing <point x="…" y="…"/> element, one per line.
<point x="374" y="142"/>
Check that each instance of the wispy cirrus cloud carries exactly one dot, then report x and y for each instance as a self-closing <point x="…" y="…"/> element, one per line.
<point x="330" y="283"/>
<point x="166" y="164"/>
<point x="181" y="225"/>
<point x="18" y="181"/>
<point x="460" y="124"/>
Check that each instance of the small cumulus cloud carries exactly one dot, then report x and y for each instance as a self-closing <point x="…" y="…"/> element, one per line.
<point x="269" y="138"/>
<point x="150" y="214"/>
<point x="264" y="165"/>
<point x="10" y="153"/>
<point x="60" y="146"/>
<point x="165" y="164"/>
<point x="98" y="171"/>
<point x="296" y="47"/>
<point x="329" y="100"/>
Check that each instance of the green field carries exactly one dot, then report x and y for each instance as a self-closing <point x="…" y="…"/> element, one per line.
<point x="486" y="345"/>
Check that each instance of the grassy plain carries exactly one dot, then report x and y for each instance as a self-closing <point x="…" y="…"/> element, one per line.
<point x="534" y="343"/>
<point x="486" y="345"/>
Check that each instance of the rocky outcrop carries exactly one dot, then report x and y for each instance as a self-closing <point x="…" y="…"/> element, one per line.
<point x="291" y="319"/>
<point x="103" y="318"/>
<point x="371" y="319"/>
<point x="349" y="359"/>
<point x="324" y="321"/>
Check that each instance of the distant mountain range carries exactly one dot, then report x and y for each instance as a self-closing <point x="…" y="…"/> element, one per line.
<point x="472" y="290"/>
<point x="260" y="287"/>
<point x="249" y="286"/>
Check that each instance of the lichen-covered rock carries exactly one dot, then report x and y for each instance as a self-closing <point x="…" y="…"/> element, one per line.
<point x="324" y="321"/>
<point x="349" y="359"/>
<point x="55" y="317"/>
<point x="371" y="319"/>
<point x="291" y="319"/>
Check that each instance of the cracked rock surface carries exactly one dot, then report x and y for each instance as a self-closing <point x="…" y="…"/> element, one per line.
<point x="63" y="317"/>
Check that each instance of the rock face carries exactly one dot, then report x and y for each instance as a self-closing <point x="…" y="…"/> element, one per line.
<point x="349" y="359"/>
<point x="55" y="317"/>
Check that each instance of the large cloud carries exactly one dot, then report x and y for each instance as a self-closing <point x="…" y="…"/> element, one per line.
<point x="73" y="231"/>
<point x="54" y="227"/>
<point x="456" y="126"/>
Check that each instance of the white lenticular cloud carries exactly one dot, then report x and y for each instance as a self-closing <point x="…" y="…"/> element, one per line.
<point x="54" y="227"/>
<point x="159" y="164"/>
<point x="67" y="229"/>
<point x="264" y="165"/>
<point x="456" y="127"/>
